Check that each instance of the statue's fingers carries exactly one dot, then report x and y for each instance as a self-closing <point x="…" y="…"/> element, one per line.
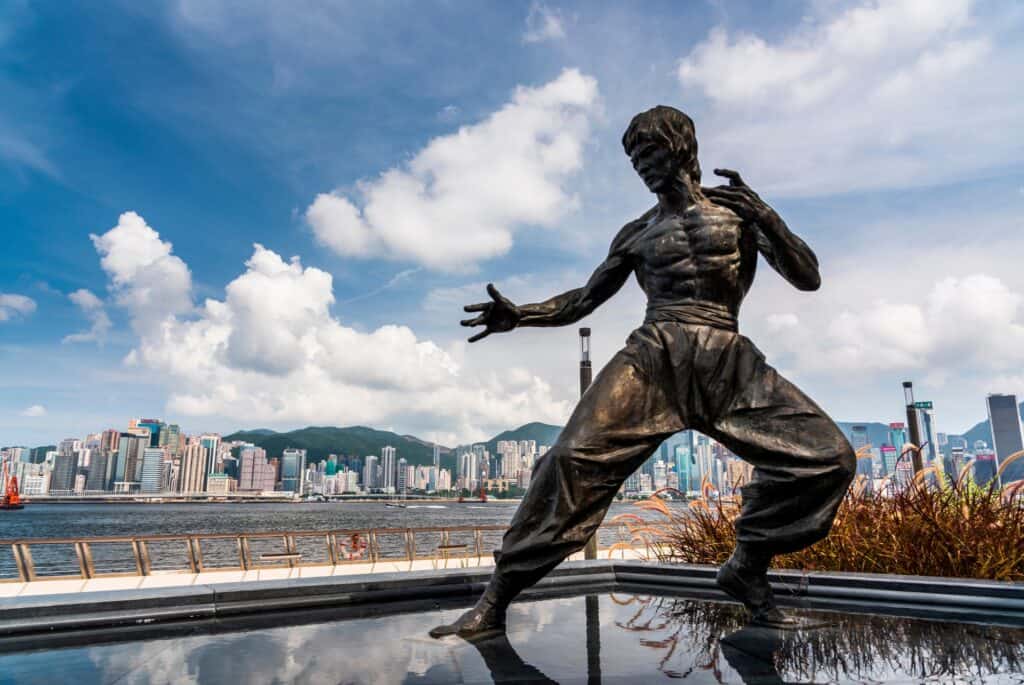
<point x="475" y="321"/>
<point x="495" y="295"/>
<point x="478" y="307"/>
<point x="481" y="335"/>
<point x="734" y="176"/>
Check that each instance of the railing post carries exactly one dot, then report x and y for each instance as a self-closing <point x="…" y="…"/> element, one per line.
<point x="332" y="549"/>
<point x="82" y="566"/>
<point x="243" y="563"/>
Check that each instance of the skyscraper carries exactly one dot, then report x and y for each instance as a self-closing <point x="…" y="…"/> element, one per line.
<point x="65" y="468"/>
<point x="389" y="468"/>
<point x="98" y="478"/>
<point x="152" y="469"/>
<point x="151" y="425"/>
<point x="371" y="475"/>
<point x="1004" y="417"/>
<point x="170" y="438"/>
<point x="293" y="470"/>
<point x="193" y="468"/>
<point x="212" y="444"/>
<point x="129" y="458"/>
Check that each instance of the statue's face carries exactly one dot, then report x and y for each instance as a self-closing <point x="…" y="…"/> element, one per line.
<point x="656" y="165"/>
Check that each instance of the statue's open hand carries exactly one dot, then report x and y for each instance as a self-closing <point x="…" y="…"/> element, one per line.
<point x="497" y="316"/>
<point x="740" y="198"/>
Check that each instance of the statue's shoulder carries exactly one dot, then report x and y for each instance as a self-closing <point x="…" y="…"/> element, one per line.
<point x="624" y="238"/>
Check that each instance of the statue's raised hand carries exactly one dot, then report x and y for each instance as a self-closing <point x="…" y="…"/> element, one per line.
<point x="740" y="198"/>
<point x="497" y="316"/>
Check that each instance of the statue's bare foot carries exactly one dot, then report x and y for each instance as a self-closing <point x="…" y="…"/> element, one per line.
<point x="482" y="621"/>
<point x="753" y="590"/>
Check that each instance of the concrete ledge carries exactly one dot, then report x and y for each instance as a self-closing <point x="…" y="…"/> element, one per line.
<point x="173" y="607"/>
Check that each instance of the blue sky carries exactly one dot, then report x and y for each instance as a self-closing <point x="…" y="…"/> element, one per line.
<point x="408" y="153"/>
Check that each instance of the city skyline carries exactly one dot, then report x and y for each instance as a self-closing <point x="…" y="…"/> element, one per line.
<point x="211" y="231"/>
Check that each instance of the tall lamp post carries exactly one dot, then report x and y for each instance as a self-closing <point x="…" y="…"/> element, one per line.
<point x="912" y="425"/>
<point x="590" y="551"/>
<point x="586" y="375"/>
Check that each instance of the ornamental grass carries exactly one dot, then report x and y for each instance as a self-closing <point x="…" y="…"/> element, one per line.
<point x="936" y="525"/>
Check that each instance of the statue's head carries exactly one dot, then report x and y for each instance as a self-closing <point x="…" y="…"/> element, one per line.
<point x="661" y="142"/>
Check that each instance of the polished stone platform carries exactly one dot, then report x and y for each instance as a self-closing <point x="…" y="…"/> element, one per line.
<point x="609" y="637"/>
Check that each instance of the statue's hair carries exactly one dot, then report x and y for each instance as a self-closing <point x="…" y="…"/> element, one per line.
<point x="668" y="126"/>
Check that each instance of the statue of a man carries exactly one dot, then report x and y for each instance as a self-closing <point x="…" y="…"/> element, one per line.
<point x="694" y="254"/>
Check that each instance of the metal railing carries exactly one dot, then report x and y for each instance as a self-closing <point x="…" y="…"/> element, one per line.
<point x="40" y="559"/>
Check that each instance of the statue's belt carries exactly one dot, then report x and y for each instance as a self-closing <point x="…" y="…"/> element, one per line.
<point x="694" y="313"/>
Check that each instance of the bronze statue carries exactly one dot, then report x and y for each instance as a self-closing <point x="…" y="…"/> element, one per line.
<point x="694" y="254"/>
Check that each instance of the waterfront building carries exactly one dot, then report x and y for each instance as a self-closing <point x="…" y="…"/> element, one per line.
<point x="984" y="466"/>
<point x="129" y="458"/>
<point x="170" y="438"/>
<point x="211" y="442"/>
<point x="193" y="468"/>
<point x="293" y="470"/>
<point x="152" y="469"/>
<point x="371" y="474"/>
<point x="109" y="439"/>
<point x="889" y="455"/>
<point x="389" y="469"/>
<point x="220" y="484"/>
<point x="1004" y="418"/>
<point x="65" y="468"/>
<point x="437" y="456"/>
<point x="152" y="428"/>
<point x="256" y="473"/>
<point x="98" y="479"/>
<point x="444" y="480"/>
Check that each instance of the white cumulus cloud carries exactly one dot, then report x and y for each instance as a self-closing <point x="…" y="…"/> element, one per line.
<point x="460" y="199"/>
<point x="272" y="352"/>
<point x="144" y="276"/>
<point x="899" y="93"/>
<point x="12" y="305"/>
<point x="93" y="308"/>
<point x="34" y="411"/>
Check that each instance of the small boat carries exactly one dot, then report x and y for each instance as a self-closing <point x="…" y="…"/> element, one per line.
<point x="11" y="499"/>
<point x="397" y="505"/>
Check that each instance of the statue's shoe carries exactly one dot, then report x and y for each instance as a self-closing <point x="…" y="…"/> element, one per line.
<point x="482" y="621"/>
<point x="754" y="591"/>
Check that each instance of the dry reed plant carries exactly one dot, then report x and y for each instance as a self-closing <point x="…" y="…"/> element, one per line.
<point x="936" y="525"/>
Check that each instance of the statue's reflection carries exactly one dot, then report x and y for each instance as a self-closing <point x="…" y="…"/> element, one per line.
<point x="504" y="663"/>
<point x="751" y="652"/>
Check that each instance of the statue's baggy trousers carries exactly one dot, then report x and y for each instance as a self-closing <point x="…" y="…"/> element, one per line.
<point x="672" y="376"/>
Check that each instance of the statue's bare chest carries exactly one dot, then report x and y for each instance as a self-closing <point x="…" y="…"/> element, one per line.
<point x="704" y="235"/>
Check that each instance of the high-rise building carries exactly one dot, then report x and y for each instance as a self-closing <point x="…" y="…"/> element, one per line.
<point x="256" y="473"/>
<point x="98" y="479"/>
<point x="984" y="466"/>
<point x="65" y="468"/>
<point x="897" y="438"/>
<point x="211" y="442"/>
<point x="371" y="473"/>
<point x="170" y="438"/>
<point x="153" y="426"/>
<point x="889" y="456"/>
<point x="152" y="469"/>
<point x="1004" y="417"/>
<point x="437" y="456"/>
<point x="402" y="484"/>
<point x="129" y="458"/>
<point x="390" y="469"/>
<point x="293" y="470"/>
<point x="193" y="468"/>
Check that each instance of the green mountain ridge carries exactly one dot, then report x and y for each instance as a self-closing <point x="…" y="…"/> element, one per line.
<point x="320" y="441"/>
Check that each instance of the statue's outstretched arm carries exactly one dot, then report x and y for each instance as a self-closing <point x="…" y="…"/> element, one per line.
<point x="782" y="249"/>
<point x="500" y="314"/>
